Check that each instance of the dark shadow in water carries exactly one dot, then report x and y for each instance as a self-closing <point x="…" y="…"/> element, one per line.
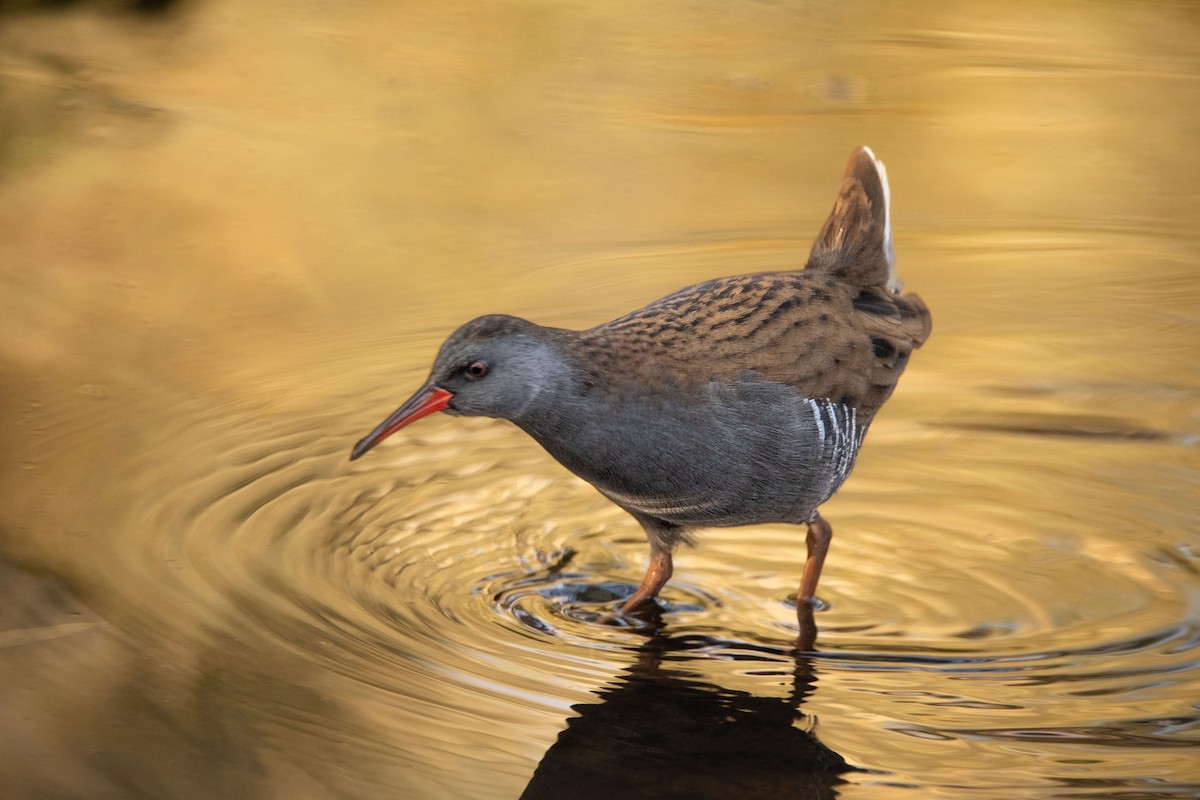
<point x="1074" y="426"/>
<point x="144" y="7"/>
<point x="664" y="732"/>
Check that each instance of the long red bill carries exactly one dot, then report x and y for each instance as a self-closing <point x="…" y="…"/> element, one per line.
<point x="428" y="400"/>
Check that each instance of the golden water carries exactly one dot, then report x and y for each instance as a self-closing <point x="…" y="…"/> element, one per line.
<point x="232" y="236"/>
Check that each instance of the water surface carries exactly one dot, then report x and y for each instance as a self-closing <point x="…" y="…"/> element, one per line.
<point x="232" y="238"/>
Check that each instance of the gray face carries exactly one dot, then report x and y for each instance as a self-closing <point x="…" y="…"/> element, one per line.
<point x="496" y="366"/>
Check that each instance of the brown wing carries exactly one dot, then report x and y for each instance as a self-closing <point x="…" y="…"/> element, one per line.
<point x="804" y="329"/>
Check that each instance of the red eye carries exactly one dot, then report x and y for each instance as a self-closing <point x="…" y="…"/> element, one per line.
<point x="477" y="369"/>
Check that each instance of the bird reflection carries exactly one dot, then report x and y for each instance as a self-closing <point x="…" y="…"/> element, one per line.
<point x="666" y="732"/>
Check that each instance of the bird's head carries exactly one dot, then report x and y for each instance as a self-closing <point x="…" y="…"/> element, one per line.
<point x="494" y="366"/>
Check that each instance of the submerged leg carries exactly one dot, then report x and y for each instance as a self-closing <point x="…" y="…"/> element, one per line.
<point x="806" y="633"/>
<point x="657" y="576"/>
<point x="819" y="534"/>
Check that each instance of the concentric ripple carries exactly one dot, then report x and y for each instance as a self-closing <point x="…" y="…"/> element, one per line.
<point x="457" y="585"/>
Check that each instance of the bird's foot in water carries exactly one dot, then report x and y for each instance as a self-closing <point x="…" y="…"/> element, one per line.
<point x="642" y="615"/>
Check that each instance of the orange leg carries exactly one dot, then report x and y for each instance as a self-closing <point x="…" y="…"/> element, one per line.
<point x="819" y="534"/>
<point x="656" y="577"/>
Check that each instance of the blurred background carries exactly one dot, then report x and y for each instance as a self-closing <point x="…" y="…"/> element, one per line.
<point x="232" y="236"/>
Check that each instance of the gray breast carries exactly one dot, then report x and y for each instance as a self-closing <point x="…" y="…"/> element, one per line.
<point x="742" y="452"/>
